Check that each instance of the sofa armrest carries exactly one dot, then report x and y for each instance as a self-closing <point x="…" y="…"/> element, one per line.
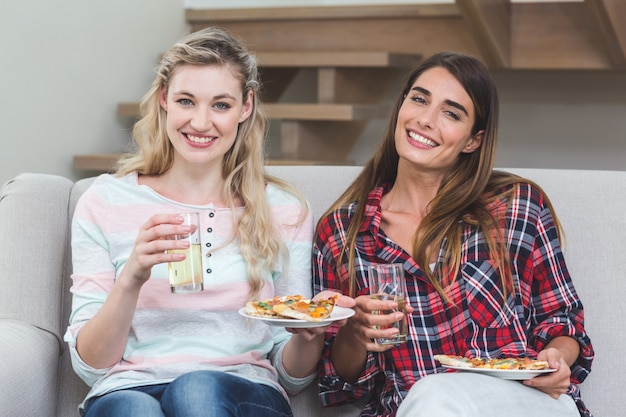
<point x="33" y="244"/>
<point x="28" y="370"/>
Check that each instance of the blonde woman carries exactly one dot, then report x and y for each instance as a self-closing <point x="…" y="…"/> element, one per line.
<point x="481" y="254"/>
<point x="199" y="147"/>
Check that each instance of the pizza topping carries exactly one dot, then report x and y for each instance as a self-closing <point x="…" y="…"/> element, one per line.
<point x="292" y="307"/>
<point x="485" y="363"/>
<point x="264" y="305"/>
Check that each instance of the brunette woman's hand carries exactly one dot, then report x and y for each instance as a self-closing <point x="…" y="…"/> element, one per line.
<point x="154" y="239"/>
<point x="365" y="326"/>
<point x="556" y="383"/>
<point x="312" y="332"/>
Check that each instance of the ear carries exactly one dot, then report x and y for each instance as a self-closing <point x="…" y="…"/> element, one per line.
<point x="163" y="98"/>
<point x="248" y="106"/>
<point x="474" y="142"/>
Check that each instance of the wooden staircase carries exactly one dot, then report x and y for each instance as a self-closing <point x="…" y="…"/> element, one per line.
<point x="344" y="63"/>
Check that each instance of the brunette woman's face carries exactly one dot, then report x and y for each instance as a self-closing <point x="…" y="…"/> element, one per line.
<point x="204" y="107"/>
<point x="435" y="122"/>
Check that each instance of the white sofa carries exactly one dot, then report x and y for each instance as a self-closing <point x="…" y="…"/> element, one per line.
<point x="36" y="379"/>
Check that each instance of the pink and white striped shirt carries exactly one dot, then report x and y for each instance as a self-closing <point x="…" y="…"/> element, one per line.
<point x="172" y="334"/>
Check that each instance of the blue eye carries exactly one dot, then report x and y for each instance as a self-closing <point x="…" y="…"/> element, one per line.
<point x="185" y="102"/>
<point x="222" y="106"/>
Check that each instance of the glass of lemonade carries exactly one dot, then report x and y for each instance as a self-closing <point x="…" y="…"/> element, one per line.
<point x="186" y="276"/>
<point x="387" y="283"/>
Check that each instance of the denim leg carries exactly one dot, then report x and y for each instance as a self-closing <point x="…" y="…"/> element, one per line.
<point x="219" y="394"/>
<point x="129" y="402"/>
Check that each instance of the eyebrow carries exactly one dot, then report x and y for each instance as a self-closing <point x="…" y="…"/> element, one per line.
<point x="448" y="102"/>
<point x="217" y="97"/>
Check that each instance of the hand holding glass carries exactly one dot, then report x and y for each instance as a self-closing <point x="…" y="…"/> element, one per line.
<point x="186" y="275"/>
<point x="387" y="283"/>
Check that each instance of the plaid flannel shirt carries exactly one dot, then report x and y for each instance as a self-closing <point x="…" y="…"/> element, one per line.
<point x="479" y="324"/>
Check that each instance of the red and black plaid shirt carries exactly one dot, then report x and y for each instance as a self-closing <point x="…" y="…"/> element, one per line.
<point x="480" y="324"/>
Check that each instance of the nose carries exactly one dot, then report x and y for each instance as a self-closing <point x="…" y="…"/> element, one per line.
<point x="426" y="118"/>
<point x="201" y="120"/>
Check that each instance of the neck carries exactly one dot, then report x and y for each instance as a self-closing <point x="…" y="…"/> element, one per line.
<point x="412" y="191"/>
<point x="190" y="186"/>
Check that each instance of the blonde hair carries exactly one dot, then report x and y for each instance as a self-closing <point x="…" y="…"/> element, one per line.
<point x="466" y="195"/>
<point x="243" y="165"/>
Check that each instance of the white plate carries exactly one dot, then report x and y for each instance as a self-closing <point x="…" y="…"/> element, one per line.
<point x="338" y="313"/>
<point x="515" y="374"/>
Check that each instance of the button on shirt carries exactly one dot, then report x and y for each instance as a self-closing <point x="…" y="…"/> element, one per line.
<point x="479" y="323"/>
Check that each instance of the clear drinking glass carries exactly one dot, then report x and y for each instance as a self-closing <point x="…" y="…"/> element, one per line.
<point x="387" y="283"/>
<point x="186" y="276"/>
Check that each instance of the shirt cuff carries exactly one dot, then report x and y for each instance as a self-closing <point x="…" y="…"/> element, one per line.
<point x="292" y="385"/>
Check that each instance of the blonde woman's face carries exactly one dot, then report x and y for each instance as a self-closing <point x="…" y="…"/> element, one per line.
<point x="435" y="122"/>
<point x="204" y="108"/>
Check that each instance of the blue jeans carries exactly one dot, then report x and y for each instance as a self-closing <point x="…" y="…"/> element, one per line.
<point x="196" y="394"/>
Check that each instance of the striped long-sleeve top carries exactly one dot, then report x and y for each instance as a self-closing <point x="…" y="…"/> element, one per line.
<point x="172" y="334"/>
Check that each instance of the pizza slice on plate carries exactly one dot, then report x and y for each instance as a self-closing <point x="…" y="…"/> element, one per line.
<point x="451" y="360"/>
<point x="292" y="307"/>
<point x="485" y="363"/>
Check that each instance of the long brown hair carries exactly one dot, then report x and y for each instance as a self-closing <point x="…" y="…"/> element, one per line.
<point x="466" y="193"/>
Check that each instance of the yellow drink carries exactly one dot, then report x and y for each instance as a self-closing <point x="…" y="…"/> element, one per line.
<point x="186" y="275"/>
<point x="400" y="325"/>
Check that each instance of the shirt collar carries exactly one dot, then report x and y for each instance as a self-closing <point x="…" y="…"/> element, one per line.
<point x="373" y="212"/>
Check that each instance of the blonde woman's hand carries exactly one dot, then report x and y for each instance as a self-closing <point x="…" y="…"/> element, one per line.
<point x="154" y="239"/>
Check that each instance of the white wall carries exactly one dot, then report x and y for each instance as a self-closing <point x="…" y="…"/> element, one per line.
<point x="65" y="66"/>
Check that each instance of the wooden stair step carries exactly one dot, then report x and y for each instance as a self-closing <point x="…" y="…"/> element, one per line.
<point x="537" y="35"/>
<point x="128" y="109"/>
<point x="323" y="112"/>
<point x="350" y="59"/>
<point x="209" y="16"/>
<point x="97" y="162"/>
